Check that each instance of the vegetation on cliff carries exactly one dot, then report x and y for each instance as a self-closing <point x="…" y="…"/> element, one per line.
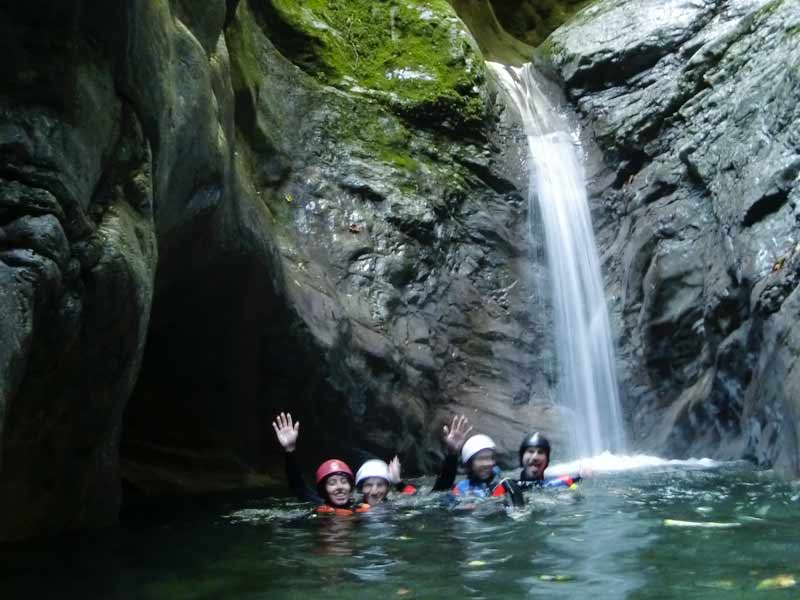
<point x="416" y="57"/>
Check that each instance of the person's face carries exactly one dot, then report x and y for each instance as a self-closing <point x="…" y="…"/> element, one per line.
<point x="374" y="489"/>
<point x="337" y="487"/>
<point x="483" y="464"/>
<point x="534" y="459"/>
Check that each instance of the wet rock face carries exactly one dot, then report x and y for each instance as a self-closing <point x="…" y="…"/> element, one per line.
<point x="77" y="257"/>
<point x="200" y="227"/>
<point x="400" y="236"/>
<point x="695" y="106"/>
<point x="95" y="151"/>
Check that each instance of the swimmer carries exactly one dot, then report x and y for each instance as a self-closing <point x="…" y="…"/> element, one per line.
<point x="534" y="458"/>
<point x="334" y="478"/>
<point x="477" y="456"/>
<point x="375" y="479"/>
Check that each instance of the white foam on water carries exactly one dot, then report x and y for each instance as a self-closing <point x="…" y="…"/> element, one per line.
<point x="618" y="463"/>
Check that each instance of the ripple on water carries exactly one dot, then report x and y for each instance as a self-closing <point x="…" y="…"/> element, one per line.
<point x="611" y="540"/>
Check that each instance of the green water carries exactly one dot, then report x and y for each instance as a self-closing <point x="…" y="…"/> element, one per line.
<point x="607" y="540"/>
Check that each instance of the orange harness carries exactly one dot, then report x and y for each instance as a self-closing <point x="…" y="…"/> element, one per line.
<point x="326" y="509"/>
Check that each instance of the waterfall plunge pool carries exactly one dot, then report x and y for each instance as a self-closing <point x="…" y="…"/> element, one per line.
<point x="665" y="529"/>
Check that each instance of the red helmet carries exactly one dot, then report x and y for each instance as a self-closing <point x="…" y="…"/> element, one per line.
<point x="334" y="465"/>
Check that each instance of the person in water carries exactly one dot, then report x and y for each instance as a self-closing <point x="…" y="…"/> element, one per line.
<point x="334" y="478"/>
<point x="375" y="478"/>
<point x="534" y="458"/>
<point x="477" y="456"/>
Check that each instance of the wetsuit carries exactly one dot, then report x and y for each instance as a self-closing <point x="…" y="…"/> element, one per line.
<point x="472" y="486"/>
<point x="300" y="489"/>
<point x="447" y="476"/>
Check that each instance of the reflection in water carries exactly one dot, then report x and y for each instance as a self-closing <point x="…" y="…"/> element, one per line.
<point x="610" y="540"/>
<point x="334" y="535"/>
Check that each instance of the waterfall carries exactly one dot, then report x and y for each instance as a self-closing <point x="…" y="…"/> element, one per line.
<point x="587" y="382"/>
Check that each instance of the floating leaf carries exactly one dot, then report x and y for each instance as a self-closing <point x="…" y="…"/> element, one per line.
<point x="555" y="577"/>
<point x="700" y="524"/>
<point x="720" y="584"/>
<point x="777" y="582"/>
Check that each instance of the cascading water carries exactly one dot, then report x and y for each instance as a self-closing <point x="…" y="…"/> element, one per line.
<point x="587" y="380"/>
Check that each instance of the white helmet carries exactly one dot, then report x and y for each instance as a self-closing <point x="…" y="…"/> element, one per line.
<point x="372" y="468"/>
<point x="474" y="445"/>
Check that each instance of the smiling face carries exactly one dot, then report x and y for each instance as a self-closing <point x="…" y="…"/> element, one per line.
<point x="337" y="489"/>
<point x="482" y="465"/>
<point x="534" y="460"/>
<point x="375" y="490"/>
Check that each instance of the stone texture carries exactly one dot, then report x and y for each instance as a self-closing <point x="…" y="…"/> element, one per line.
<point x="200" y="228"/>
<point x="694" y="105"/>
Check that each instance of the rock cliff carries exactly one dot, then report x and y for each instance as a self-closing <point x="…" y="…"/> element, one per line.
<point x="212" y="212"/>
<point x="694" y="105"/>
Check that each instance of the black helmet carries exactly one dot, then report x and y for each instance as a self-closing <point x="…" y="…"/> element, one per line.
<point x="534" y="440"/>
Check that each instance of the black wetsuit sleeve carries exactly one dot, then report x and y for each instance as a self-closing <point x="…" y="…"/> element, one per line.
<point x="447" y="476"/>
<point x="296" y="482"/>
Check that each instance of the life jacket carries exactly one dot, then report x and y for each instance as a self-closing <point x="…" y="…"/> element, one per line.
<point x="478" y="488"/>
<point x="327" y="509"/>
<point x="408" y="489"/>
<point x="481" y="489"/>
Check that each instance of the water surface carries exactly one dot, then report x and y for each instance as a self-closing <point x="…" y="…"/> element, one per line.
<point x="631" y="534"/>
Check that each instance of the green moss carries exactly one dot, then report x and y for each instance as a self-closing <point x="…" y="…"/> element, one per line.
<point x="242" y="41"/>
<point x="768" y="9"/>
<point x="378" y="136"/>
<point x="414" y="56"/>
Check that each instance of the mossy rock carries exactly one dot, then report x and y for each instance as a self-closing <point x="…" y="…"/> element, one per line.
<point x="415" y="57"/>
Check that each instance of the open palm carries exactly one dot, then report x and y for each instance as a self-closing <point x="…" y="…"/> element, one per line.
<point x="286" y="431"/>
<point x="456" y="434"/>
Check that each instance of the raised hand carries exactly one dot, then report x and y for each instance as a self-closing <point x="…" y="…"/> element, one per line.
<point x="286" y="431"/>
<point x="394" y="470"/>
<point x="456" y="434"/>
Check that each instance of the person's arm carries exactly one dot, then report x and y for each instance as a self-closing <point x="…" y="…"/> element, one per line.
<point x="447" y="476"/>
<point x="287" y="434"/>
<point x="396" y="480"/>
<point x="296" y="482"/>
<point x="454" y="438"/>
<point x="563" y="481"/>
